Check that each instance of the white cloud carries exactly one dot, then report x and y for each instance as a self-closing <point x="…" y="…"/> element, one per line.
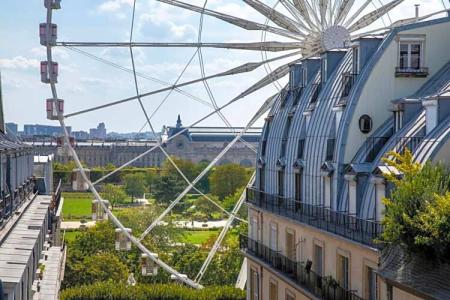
<point x="114" y="5"/>
<point x="58" y="53"/>
<point x="19" y="62"/>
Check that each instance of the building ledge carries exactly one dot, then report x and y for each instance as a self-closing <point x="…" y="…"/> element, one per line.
<point x="408" y="72"/>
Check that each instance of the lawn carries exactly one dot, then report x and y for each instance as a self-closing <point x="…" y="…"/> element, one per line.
<point x="70" y="236"/>
<point x="198" y="237"/>
<point x="76" y="208"/>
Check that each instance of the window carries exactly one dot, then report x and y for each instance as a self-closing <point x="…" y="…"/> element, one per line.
<point x="262" y="175"/>
<point x="254" y="229"/>
<point x="318" y="260"/>
<point x="290" y="295"/>
<point x="301" y="146"/>
<point x="285" y="135"/>
<point x="355" y="59"/>
<point x="410" y="55"/>
<point x="291" y="251"/>
<point x="365" y="124"/>
<point x="371" y="284"/>
<point x="254" y="285"/>
<point x="273" y="290"/>
<point x="264" y="141"/>
<point x="343" y="271"/>
<point x="298" y="187"/>
<point x="281" y="183"/>
<point x="273" y="238"/>
<point x="323" y="70"/>
<point x="389" y="292"/>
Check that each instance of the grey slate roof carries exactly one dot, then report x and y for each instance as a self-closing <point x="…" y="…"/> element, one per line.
<point x="7" y="143"/>
<point x="426" y="278"/>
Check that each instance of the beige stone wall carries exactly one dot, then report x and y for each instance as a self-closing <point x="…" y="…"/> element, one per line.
<point x="397" y="294"/>
<point x="266" y="277"/>
<point x="360" y="257"/>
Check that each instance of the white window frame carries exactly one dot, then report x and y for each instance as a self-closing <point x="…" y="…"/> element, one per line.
<point x="273" y="236"/>
<point x="409" y="41"/>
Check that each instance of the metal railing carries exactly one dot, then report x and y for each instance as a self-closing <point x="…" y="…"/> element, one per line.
<point x="321" y="287"/>
<point x="340" y="223"/>
<point x="348" y="80"/>
<point x="402" y="71"/>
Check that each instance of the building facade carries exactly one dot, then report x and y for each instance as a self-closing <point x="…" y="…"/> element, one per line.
<point x="315" y="208"/>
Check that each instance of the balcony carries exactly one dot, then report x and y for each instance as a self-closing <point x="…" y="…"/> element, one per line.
<point x="411" y="72"/>
<point x="319" y="286"/>
<point x="339" y="223"/>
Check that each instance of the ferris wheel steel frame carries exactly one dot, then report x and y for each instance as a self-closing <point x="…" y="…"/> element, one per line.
<point x="312" y="27"/>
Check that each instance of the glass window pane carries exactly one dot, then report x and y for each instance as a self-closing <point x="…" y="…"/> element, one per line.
<point x="403" y="56"/>
<point x="415" y="56"/>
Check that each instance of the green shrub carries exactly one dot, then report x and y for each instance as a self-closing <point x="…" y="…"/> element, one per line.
<point x="118" y="291"/>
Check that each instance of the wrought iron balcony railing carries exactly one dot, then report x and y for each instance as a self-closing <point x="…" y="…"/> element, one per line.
<point x="411" y="72"/>
<point x="321" y="287"/>
<point x="351" y="227"/>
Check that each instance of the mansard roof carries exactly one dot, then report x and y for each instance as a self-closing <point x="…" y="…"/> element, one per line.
<point x="7" y="143"/>
<point x="419" y="275"/>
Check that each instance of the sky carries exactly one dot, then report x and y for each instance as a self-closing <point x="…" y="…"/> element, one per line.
<point x="85" y="82"/>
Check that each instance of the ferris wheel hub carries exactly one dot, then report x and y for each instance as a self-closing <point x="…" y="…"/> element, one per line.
<point x="335" y="37"/>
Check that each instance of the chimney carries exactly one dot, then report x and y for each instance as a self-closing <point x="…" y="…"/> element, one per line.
<point x="417" y="10"/>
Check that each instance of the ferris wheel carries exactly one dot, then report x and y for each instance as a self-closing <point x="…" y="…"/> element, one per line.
<point x="293" y="30"/>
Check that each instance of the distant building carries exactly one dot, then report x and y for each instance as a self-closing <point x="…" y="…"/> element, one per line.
<point x="98" y="133"/>
<point x="196" y="144"/>
<point x="80" y="135"/>
<point x="43" y="130"/>
<point x="12" y="128"/>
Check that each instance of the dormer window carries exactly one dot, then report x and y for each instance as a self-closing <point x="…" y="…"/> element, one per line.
<point x="355" y="60"/>
<point x="410" y="58"/>
<point x="323" y="70"/>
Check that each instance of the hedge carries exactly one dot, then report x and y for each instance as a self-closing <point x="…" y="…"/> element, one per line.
<point x="120" y="291"/>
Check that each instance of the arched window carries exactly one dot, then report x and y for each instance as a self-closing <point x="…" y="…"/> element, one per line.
<point x="365" y="124"/>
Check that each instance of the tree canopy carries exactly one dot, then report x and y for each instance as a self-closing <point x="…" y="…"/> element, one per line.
<point x="114" y="194"/>
<point x="418" y="209"/>
<point x="135" y="184"/>
<point x="226" y="179"/>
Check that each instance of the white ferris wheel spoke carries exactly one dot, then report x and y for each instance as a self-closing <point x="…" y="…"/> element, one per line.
<point x="302" y="9"/>
<point x="248" y="67"/>
<point x="243" y="23"/>
<point x="371" y="17"/>
<point x="273" y="15"/>
<point x="343" y="10"/>
<point x="271" y="46"/>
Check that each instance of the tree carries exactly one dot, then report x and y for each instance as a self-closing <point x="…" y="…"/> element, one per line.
<point x="102" y="267"/>
<point x="186" y="166"/>
<point x="114" y="194"/>
<point x="167" y="188"/>
<point x="134" y="184"/>
<point x="226" y="179"/>
<point x="418" y="209"/>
